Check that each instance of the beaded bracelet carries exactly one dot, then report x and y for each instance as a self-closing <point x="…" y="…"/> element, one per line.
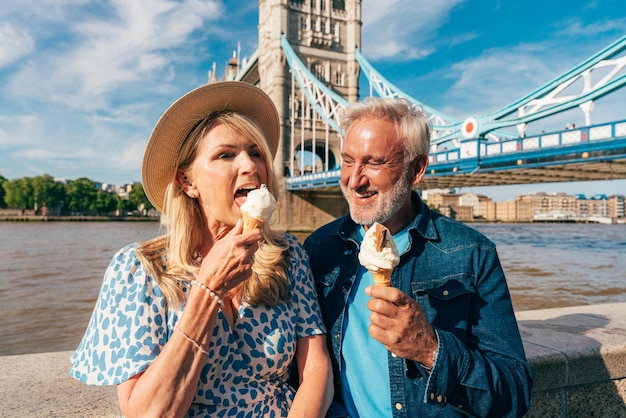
<point x="191" y="340"/>
<point x="209" y="291"/>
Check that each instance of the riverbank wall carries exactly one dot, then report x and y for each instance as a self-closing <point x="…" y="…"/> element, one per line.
<point x="578" y="356"/>
<point x="27" y="218"/>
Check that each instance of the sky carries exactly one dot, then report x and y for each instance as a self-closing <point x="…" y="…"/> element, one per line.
<point x="82" y="83"/>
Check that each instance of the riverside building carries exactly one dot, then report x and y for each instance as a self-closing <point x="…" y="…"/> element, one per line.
<point x="536" y="207"/>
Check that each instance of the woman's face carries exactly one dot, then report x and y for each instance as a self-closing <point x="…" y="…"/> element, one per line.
<point x="226" y="167"/>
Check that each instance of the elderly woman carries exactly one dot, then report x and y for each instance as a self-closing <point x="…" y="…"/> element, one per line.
<point x="208" y="319"/>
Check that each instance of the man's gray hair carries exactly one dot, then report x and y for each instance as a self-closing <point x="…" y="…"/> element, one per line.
<point x="411" y="123"/>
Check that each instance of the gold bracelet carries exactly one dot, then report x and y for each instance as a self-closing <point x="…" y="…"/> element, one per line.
<point x="191" y="340"/>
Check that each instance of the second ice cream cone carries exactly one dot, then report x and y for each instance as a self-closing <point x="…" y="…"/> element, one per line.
<point x="258" y="207"/>
<point x="382" y="277"/>
<point x="249" y="223"/>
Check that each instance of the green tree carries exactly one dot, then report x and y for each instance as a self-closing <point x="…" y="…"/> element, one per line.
<point x="3" y="203"/>
<point x="48" y="192"/>
<point x="137" y="196"/>
<point x="104" y="203"/>
<point x="125" y="206"/>
<point x="81" y="193"/>
<point x="19" y="193"/>
<point x="432" y="207"/>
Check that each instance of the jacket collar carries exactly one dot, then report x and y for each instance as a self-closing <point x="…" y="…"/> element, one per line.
<point x="423" y="223"/>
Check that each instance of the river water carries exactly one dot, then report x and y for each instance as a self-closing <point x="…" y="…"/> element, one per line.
<point x="50" y="272"/>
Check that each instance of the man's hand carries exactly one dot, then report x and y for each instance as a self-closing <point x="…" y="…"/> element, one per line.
<point x="398" y="322"/>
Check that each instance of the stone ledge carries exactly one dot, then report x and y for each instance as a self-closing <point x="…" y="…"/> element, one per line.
<point x="578" y="355"/>
<point x="39" y="385"/>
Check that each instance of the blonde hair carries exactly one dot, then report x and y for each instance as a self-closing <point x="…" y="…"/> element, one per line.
<point x="412" y="125"/>
<point x="170" y="257"/>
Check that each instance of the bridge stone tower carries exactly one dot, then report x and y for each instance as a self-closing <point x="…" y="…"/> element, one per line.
<point x="324" y="33"/>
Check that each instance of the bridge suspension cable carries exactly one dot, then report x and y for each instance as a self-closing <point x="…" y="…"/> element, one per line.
<point x="552" y="98"/>
<point x="445" y="127"/>
<point x="441" y="123"/>
<point x="546" y="101"/>
<point x="479" y="137"/>
<point x="326" y="102"/>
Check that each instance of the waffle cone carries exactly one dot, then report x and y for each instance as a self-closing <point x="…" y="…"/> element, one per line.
<point x="382" y="277"/>
<point x="249" y="223"/>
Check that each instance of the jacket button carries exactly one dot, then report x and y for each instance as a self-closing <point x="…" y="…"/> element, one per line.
<point x="398" y="406"/>
<point x="337" y="336"/>
<point x="446" y="293"/>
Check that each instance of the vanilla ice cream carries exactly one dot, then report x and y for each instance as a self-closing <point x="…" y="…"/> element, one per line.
<point x="258" y="207"/>
<point x="379" y="254"/>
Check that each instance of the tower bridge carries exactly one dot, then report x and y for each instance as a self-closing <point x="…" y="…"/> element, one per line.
<point x="596" y="152"/>
<point x="308" y="60"/>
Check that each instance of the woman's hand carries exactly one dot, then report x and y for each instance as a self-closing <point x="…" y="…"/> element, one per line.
<point x="229" y="261"/>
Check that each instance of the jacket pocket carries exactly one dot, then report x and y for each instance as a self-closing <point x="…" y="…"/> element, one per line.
<point x="326" y="281"/>
<point x="447" y="301"/>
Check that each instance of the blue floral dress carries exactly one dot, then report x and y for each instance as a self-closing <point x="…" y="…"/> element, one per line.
<point x="246" y="371"/>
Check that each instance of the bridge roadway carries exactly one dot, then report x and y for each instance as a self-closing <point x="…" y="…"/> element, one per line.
<point x="596" y="152"/>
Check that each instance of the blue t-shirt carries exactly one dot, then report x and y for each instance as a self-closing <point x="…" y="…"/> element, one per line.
<point x="364" y="365"/>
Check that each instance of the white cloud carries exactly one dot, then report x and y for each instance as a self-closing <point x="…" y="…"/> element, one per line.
<point x="15" y="43"/>
<point x="508" y="71"/>
<point x="402" y="29"/>
<point x="577" y="28"/>
<point x="95" y="80"/>
<point x="17" y="130"/>
<point x="36" y="11"/>
<point x="128" y="43"/>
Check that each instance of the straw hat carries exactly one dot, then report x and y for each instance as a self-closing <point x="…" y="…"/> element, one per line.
<point x="161" y="155"/>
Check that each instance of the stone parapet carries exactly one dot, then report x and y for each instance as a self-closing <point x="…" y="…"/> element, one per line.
<point x="578" y="356"/>
<point x="39" y="385"/>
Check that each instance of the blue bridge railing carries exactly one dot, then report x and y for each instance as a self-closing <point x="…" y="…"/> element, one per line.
<point x="608" y="139"/>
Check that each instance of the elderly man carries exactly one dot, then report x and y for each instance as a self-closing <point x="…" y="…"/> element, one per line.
<point x="442" y="340"/>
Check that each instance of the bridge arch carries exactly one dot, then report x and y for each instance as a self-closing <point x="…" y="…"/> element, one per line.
<point x="313" y="156"/>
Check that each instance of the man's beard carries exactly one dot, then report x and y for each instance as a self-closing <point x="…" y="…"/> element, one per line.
<point x="386" y="204"/>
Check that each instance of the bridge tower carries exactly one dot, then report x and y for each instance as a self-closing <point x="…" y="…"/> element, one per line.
<point x="324" y="33"/>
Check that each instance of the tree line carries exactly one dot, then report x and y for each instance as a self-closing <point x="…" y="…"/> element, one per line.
<point x="44" y="195"/>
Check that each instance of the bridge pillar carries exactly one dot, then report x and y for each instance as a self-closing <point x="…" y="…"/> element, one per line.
<point x="325" y="35"/>
<point x="304" y="211"/>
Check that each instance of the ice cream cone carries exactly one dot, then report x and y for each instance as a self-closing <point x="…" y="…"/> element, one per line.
<point x="382" y="277"/>
<point x="258" y="208"/>
<point x="379" y="254"/>
<point x="249" y="223"/>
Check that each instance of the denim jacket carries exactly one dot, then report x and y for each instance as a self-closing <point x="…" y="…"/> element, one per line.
<point x="454" y="272"/>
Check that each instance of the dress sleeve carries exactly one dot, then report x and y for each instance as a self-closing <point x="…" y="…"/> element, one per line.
<point x="127" y="328"/>
<point x="303" y="293"/>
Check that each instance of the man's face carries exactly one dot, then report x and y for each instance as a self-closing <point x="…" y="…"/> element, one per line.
<point x="375" y="179"/>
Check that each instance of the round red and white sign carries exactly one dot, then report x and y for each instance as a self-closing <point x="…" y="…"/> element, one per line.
<point x="469" y="129"/>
